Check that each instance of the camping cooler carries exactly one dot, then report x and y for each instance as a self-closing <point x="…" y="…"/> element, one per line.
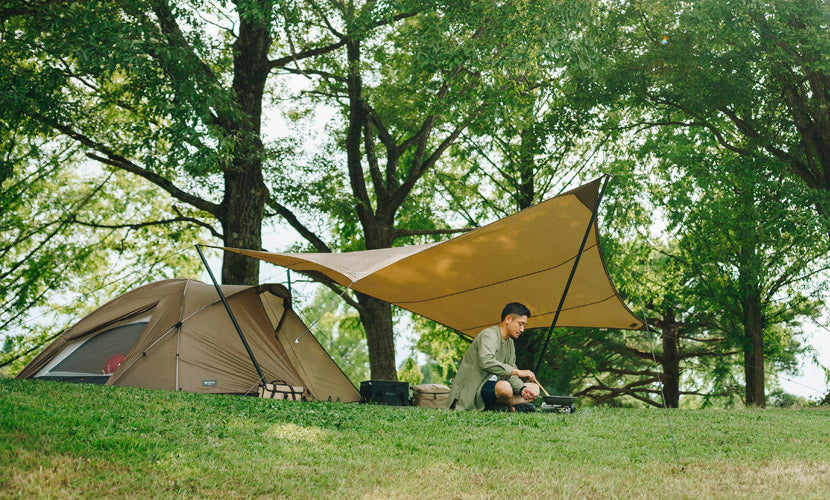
<point x="430" y="395"/>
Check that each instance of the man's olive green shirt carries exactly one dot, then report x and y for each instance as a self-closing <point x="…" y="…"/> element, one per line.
<point x="488" y="355"/>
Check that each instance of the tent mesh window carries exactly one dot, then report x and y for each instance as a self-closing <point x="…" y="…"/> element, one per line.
<point x="92" y="356"/>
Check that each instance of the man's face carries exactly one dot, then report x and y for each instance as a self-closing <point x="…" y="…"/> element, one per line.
<point x="515" y="325"/>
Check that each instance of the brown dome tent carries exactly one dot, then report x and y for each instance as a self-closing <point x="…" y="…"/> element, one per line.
<point x="176" y="335"/>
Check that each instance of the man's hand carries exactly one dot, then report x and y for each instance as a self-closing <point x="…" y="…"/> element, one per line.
<point x="526" y="374"/>
<point x="530" y="391"/>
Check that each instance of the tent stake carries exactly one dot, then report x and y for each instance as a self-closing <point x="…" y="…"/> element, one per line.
<point x="233" y="318"/>
<point x="573" y="271"/>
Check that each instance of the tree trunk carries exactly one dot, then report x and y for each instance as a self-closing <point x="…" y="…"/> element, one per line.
<point x="243" y="206"/>
<point x="671" y="360"/>
<point x="754" y="354"/>
<point x="376" y="316"/>
<point x="527" y="167"/>
<point x="749" y="276"/>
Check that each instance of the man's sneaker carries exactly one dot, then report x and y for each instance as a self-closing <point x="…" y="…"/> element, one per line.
<point x="525" y="408"/>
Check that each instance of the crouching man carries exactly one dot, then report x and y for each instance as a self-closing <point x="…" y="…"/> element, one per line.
<point x="487" y="377"/>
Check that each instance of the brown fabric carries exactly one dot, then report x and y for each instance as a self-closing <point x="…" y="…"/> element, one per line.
<point x="190" y="344"/>
<point x="430" y="395"/>
<point x="314" y="364"/>
<point x="464" y="282"/>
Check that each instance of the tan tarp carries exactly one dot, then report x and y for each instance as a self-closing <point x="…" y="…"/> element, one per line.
<point x="190" y="344"/>
<point x="465" y="282"/>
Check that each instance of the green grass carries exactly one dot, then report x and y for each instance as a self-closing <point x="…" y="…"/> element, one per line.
<point x="78" y="441"/>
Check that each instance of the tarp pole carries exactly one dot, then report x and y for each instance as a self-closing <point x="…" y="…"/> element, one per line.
<point x="233" y="318"/>
<point x="573" y="271"/>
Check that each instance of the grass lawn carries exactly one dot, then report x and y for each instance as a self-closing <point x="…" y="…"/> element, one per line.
<point x="80" y="441"/>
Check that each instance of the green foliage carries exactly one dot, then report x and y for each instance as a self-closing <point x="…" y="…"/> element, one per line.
<point x="743" y="229"/>
<point x="410" y="372"/>
<point x="97" y="82"/>
<point x="464" y="111"/>
<point x="751" y="73"/>
<point x="67" y="246"/>
<point x="443" y="347"/>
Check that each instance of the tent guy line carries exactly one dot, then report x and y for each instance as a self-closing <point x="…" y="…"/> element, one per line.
<point x="649" y="332"/>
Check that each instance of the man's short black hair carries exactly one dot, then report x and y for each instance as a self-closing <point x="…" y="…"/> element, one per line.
<point x="516" y="309"/>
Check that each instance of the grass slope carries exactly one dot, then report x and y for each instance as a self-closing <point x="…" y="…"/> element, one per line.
<point x="79" y="441"/>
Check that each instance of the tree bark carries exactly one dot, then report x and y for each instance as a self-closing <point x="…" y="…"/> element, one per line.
<point x="376" y="316"/>
<point x="750" y="299"/>
<point x="243" y="205"/>
<point x="527" y="167"/>
<point x="671" y="360"/>
<point x="243" y="212"/>
<point x="754" y="354"/>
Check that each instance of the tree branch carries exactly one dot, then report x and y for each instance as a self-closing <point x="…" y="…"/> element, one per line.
<point x="122" y="163"/>
<point x="170" y="30"/>
<point x="700" y="120"/>
<point x="140" y="225"/>
<point x="305" y="54"/>
<point x="118" y="161"/>
<point x="372" y="159"/>
<point x="318" y="72"/>
<point x="176" y="39"/>
<point x="706" y="354"/>
<point x="61" y="224"/>
<point x="294" y="222"/>
<point x="383" y="132"/>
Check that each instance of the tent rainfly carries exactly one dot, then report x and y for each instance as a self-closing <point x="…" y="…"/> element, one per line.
<point x="465" y="282"/>
<point x="176" y="335"/>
